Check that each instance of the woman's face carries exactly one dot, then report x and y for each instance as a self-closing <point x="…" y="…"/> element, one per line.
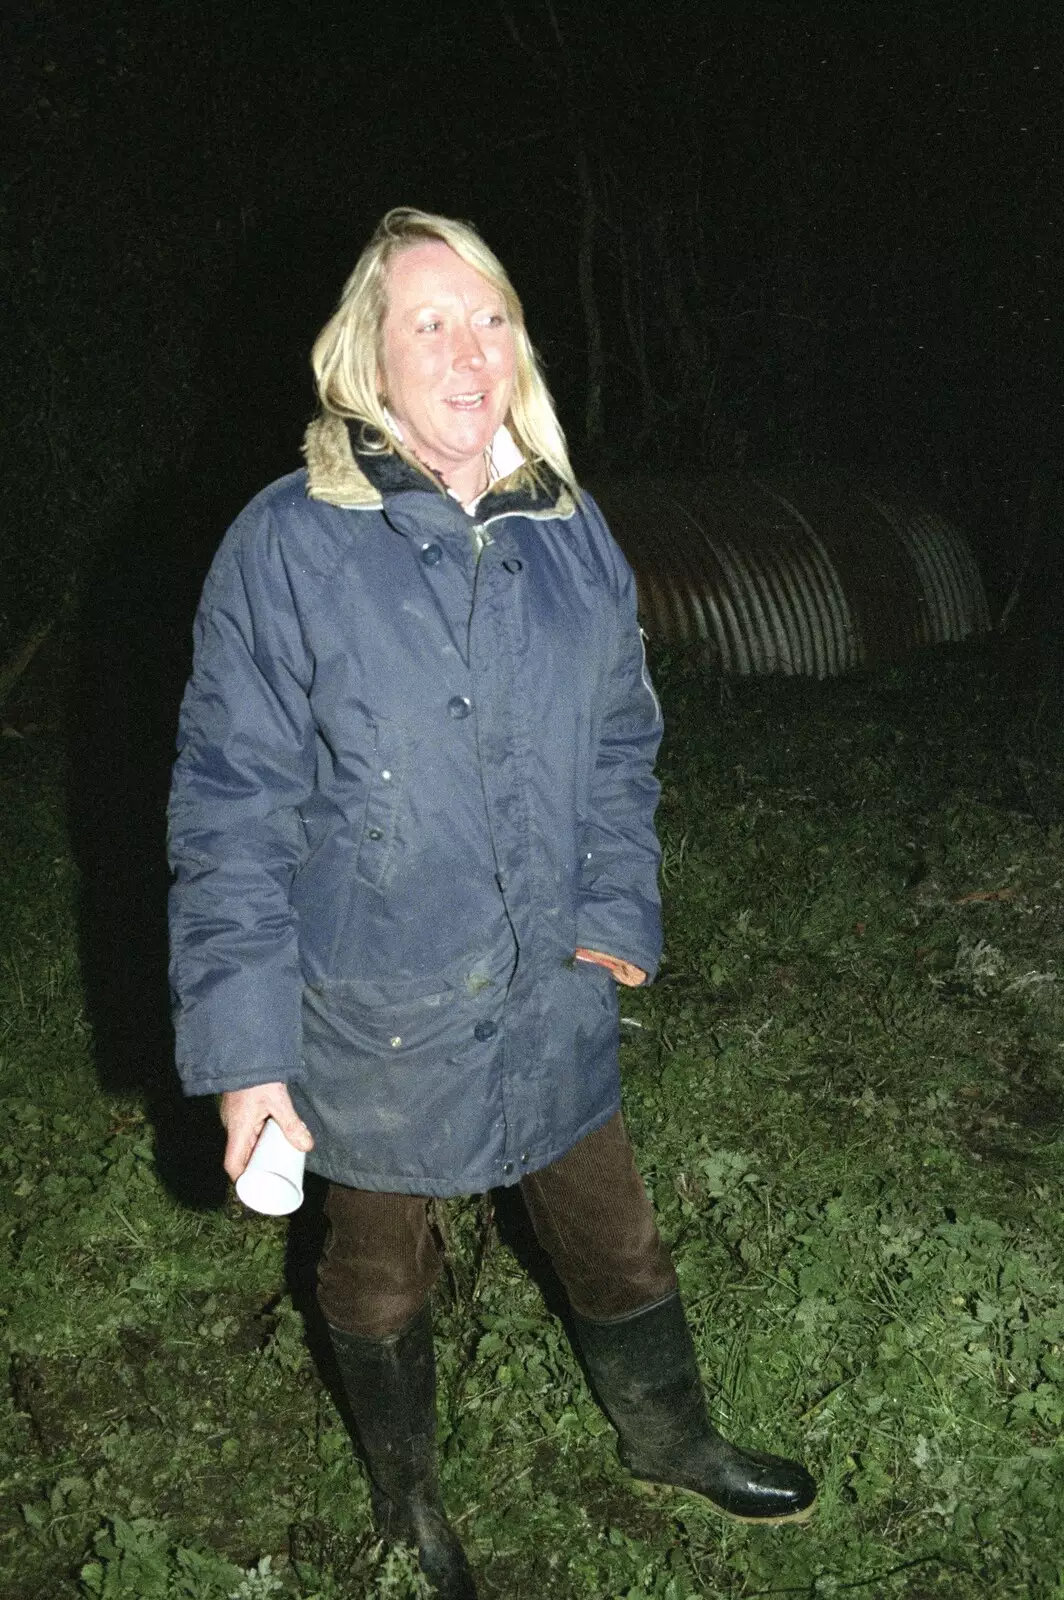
<point x="447" y="363"/>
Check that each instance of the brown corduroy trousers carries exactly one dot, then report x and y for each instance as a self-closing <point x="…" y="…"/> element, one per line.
<point x="590" y="1213"/>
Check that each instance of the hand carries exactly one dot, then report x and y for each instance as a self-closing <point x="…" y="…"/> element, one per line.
<point x="623" y="971"/>
<point x="244" y="1113"/>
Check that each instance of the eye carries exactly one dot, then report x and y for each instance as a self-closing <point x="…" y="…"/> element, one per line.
<point x="493" y="319"/>
<point x="430" y="325"/>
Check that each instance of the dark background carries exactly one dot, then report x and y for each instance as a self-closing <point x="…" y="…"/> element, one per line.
<point x="813" y="233"/>
<point x="799" y="234"/>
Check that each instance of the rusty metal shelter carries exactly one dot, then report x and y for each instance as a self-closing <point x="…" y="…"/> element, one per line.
<point x="809" y="574"/>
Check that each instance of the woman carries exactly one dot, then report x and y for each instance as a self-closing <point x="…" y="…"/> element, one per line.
<point x="412" y="827"/>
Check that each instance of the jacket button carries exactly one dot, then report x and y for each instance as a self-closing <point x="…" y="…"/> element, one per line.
<point x="513" y="566"/>
<point x="507" y="1168"/>
<point x="431" y="554"/>
<point x="485" y="1029"/>
<point x="524" y="1158"/>
<point x="374" y="833"/>
<point x="458" y="707"/>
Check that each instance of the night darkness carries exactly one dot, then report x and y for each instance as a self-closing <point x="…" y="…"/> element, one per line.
<point x="808" y="238"/>
<point x="751" y="236"/>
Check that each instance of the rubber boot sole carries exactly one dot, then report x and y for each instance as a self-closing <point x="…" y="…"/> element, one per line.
<point x="655" y="1489"/>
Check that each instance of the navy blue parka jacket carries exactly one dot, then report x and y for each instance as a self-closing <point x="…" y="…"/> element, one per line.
<point x="411" y="781"/>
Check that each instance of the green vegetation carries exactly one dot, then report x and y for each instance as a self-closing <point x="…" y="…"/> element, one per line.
<point x="846" y="1091"/>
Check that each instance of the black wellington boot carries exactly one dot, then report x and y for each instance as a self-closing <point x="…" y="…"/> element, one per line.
<point x="646" y="1374"/>
<point x="391" y="1387"/>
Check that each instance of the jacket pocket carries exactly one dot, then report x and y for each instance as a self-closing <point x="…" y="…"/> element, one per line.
<point x="594" y="977"/>
<point x="380" y="841"/>
<point x="355" y="1022"/>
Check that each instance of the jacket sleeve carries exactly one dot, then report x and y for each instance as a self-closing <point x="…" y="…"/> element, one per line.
<point x="245" y="763"/>
<point x="619" y="906"/>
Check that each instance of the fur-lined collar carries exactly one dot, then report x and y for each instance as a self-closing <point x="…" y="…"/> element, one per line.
<point x="342" y="475"/>
<point x="333" y="474"/>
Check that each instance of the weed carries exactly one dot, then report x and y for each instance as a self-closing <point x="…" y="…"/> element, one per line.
<point x="847" y="1096"/>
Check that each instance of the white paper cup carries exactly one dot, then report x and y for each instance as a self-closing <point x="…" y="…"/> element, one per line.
<point x="272" y="1181"/>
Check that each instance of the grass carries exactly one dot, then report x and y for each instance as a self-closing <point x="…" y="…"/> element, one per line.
<point x="846" y="1091"/>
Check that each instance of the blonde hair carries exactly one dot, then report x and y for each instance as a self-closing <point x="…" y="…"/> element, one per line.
<point x="347" y="352"/>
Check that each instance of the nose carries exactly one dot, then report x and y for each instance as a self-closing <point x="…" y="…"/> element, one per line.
<point x="468" y="350"/>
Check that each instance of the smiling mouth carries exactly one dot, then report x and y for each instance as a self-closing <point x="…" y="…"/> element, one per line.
<point x="467" y="402"/>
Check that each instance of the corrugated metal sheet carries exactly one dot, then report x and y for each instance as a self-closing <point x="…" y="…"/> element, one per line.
<point x="812" y="573"/>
